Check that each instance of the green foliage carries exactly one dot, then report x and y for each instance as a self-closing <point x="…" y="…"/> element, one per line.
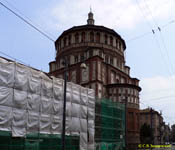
<point x="146" y="134"/>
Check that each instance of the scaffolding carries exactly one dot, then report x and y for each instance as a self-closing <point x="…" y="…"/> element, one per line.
<point x="109" y="125"/>
<point x="31" y="102"/>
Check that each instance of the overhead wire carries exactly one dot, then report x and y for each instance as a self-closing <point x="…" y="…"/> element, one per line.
<point x="161" y="36"/>
<point x="27" y="18"/>
<point x="162" y="55"/>
<point x="47" y="36"/>
<point x="138" y="37"/>
<point x="153" y="31"/>
<point x="148" y="8"/>
<point x="154" y="35"/>
<point x="27" y="22"/>
<point x="155" y="91"/>
<point x="144" y="16"/>
<point x="166" y="50"/>
<point x="31" y="24"/>
<point x="149" y="32"/>
<point x="13" y="58"/>
<point x="159" y="98"/>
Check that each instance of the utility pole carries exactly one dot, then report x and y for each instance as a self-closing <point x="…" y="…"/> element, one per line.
<point x="66" y="65"/>
<point x="64" y="105"/>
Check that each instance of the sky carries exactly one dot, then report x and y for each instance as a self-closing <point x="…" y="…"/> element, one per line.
<point x="147" y="26"/>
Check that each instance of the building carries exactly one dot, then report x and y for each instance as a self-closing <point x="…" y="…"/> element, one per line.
<point x="172" y="136"/>
<point x="102" y="49"/>
<point x="31" y="110"/>
<point x="155" y="120"/>
<point x="167" y="134"/>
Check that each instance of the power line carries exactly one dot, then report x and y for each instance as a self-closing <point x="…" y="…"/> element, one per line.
<point x="150" y="32"/>
<point x="138" y="37"/>
<point x="171" y="22"/>
<point x="160" y="98"/>
<point x="161" y="52"/>
<point x="24" y="16"/>
<point x="155" y="91"/>
<point x="153" y="31"/>
<point x="166" y="50"/>
<point x="159" y="29"/>
<point x="27" y="22"/>
<point x="146" y="4"/>
<point x="13" y="58"/>
<point x="144" y="15"/>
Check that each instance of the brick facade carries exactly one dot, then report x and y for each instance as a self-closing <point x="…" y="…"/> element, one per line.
<point x="102" y="49"/>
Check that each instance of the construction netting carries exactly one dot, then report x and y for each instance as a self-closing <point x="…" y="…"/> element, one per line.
<point x="32" y="102"/>
<point x="37" y="142"/>
<point x="109" y="125"/>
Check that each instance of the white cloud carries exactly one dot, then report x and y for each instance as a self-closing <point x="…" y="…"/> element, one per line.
<point x="159" y="93"/>
<point x="120" y="14"/>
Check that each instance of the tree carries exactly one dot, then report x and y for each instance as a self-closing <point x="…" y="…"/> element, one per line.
<point x="146" y="135"/>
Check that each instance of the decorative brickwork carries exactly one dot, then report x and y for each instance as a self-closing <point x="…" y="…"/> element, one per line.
<point x="102" y="49"/>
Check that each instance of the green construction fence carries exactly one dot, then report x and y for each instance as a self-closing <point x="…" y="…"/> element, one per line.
<point x="37" y="142"/>
<point x="109" y="125"/>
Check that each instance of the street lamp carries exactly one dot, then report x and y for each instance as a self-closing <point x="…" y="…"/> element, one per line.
<point x="66" y="65"/>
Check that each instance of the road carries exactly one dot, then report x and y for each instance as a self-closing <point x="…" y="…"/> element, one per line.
<point x="167" y="148"/>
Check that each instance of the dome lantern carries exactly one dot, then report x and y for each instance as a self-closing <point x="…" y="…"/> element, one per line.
<point x="90" y="20"/>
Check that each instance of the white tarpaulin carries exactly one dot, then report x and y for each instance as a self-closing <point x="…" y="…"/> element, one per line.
<point x="18" y="122"/>
<point x="21" y="77"/>
<point x="32" y="122"/>
<point x="20" y="99"/>
<point x="5" y="118"/>
<point x="6" y="73"/>
<point x="32" y="102"/>
<point x="34" y="84"/>
<point x="45" y="123"/>
<point x="56" y="125"/>
<point x="6" y="96"/>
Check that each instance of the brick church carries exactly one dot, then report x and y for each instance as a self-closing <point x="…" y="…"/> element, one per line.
<point x="102" y="49"/>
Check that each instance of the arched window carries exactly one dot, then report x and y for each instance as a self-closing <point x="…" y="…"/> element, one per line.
<point x="58" y="46"/>
<point x="111" y="61"/>
<point x="111" y="40"/>
<point x="98" y="37"/>
<point x="83" y="37"/>
<point x="91" y="53"/>
<point x="69" y="40"/>
<point x="118" y="63"/>
<point x="100" y="53"/>
<point x="120" y="46"/>
<point x="106" y="39"/>
<point x="116" y="43"/>
<point x="82" y="57"/>
<point x="65" y="40"/>
<point x="91" y="36"/>
<point x="76" y="38"/>
<point x="106" y="58"/>
<point x="76" y="59"/>
<point x="68" y="60"/>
